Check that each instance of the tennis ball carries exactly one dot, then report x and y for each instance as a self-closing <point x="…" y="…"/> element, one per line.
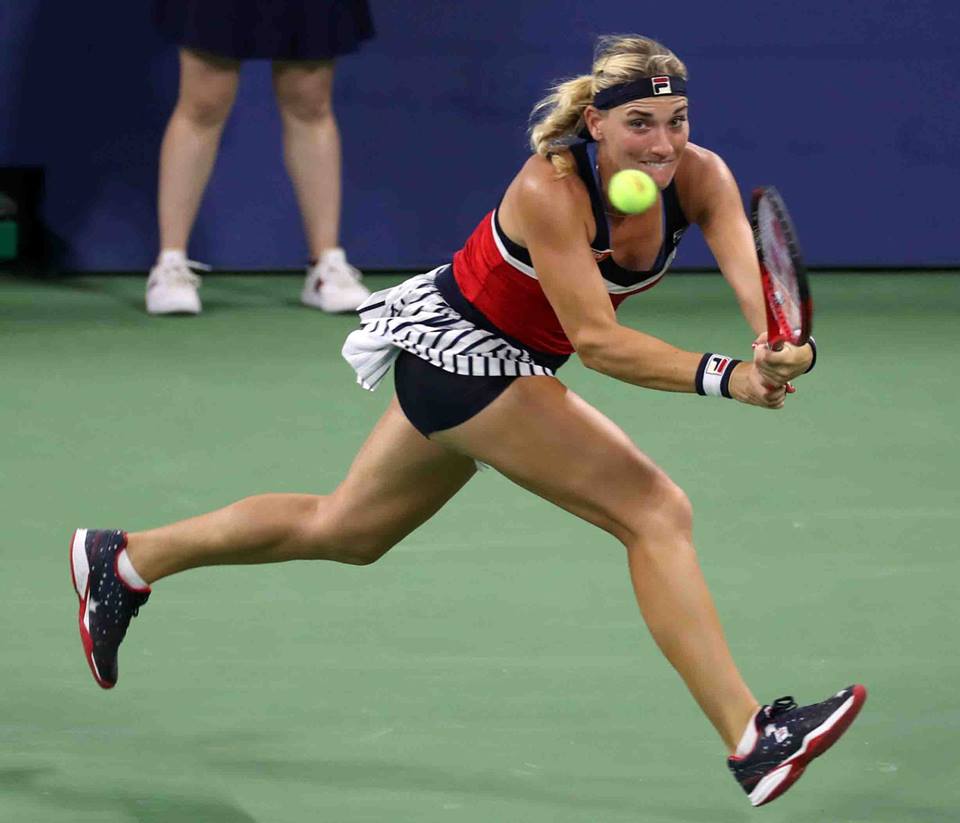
<point x="632" y="191"/>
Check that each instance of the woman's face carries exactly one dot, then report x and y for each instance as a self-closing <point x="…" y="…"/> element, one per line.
<point x="648" y="134"/>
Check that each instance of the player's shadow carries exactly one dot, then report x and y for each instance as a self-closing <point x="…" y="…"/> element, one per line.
<point x="601" y="794"/>
<point x="150" y="806"/>
<point x="880" y="807"/>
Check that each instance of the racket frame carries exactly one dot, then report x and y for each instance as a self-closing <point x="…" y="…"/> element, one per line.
<point x="779" y="329"/>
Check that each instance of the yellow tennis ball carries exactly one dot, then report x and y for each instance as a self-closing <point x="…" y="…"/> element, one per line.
<point x="632" y="191"/>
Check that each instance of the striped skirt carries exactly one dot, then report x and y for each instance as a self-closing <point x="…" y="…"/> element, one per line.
<point x="414" y="317"/>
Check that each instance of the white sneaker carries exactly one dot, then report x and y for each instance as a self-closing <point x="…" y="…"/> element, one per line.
<point x="333" y="285"/>
<point x="172" y="286"/>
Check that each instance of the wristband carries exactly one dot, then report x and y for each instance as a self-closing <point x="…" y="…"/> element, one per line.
<point x="813" y="347"/>
<point x="713" y="375"/>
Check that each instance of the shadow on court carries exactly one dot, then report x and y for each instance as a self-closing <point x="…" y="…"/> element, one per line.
<point x="876" y="807"/>
<point x="591" y="796"/>
<point x="39" y="784"/>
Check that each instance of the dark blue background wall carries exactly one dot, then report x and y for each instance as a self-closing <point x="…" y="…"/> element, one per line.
<point x="849" y="108"/>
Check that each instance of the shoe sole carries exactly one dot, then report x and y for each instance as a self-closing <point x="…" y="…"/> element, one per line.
<point x="176" y="310"/>
<point x="80" y="575"/>
<point x="775" y="783"/>
<point x="306" y="300"/>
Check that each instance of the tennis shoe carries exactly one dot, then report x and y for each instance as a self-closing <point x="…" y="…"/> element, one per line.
<point x="333" y="285"/>
<point x="172" y="287"/>
<point x="107" y="603"/>
<point x="788" y="738"/>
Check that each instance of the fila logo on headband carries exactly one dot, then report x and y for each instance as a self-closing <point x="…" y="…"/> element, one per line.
<point x="661" y="85"/>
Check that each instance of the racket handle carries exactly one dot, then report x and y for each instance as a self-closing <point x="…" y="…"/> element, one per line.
<point x="777" y="345"/>
<point x="791" y="389"/>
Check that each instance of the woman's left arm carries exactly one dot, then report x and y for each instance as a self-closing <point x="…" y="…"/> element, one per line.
<point x="728" y="234"/>
<point x="725" y="228"/>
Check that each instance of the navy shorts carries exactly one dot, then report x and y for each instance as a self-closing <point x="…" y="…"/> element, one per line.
<point x="434" y="399"/>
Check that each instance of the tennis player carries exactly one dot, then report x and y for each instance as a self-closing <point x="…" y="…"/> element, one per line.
<point x="475" y="345"/>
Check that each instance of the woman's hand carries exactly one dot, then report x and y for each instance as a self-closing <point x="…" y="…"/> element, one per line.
<point x="748" y="386"/>
<point x="778" y="366"/>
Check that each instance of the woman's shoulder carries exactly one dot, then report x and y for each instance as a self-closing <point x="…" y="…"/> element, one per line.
<point x="540" y="177"/>
<point x="700" y="165"/>
<point x="539" y="188"/>
<point x="702" y="178"/>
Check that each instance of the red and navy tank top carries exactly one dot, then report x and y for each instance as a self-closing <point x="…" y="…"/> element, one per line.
<point x="497" y="277"/>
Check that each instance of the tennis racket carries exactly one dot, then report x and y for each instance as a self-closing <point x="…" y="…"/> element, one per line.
<point x="785" y="288"/>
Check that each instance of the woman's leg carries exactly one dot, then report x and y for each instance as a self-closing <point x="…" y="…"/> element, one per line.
<point x="398" y="480"/>
<point x="545" y="438"/>
<point x="208" y="87"/>
<point x="311" y="143"/>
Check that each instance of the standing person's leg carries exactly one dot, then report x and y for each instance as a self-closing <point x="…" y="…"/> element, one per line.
<point x="311" y="142"/>
<point x="311" y="147"/>
<point x="208" y="87"/>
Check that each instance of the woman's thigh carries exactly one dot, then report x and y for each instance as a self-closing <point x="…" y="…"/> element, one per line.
<point x="398" y="480"/>
<point x="547" y="439"/>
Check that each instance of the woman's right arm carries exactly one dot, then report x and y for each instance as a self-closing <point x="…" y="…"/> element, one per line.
<point x="554" y="230"/>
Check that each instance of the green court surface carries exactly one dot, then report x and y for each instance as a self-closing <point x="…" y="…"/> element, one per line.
<point x="494" y="666"/>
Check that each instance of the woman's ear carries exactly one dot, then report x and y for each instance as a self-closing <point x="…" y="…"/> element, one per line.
<point x="593" y="119"/>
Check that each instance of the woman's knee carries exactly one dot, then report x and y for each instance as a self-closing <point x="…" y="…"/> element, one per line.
<point x="208" y="87"/>
<point x="304" y="97"/>
<point x="306" y="108"/>
<point x="207" y="107"/>
<point x="329" y="535"/>
<point x="663" y="514"/>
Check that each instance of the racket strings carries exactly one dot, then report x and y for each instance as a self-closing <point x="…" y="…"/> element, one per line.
<point x="779" y="264"/>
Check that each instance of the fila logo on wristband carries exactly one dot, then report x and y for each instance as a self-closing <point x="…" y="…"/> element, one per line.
<point x="713" y="374"/>
<point x="716" y="365"/>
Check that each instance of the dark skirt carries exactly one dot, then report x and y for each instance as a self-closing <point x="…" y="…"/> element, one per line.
<point x="434" y="399"/>
<point x="266" y="29"/>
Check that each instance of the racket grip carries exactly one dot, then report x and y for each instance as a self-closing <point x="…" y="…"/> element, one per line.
<point x="791" y="389"/>
<point x="777" y="345"/>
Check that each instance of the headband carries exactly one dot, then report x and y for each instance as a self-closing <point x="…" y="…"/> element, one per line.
<point x="658" y="86"/>
<point x="662" y="85"/>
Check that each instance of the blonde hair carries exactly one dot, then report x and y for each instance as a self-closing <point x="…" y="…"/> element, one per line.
<point x="618" y="58"/>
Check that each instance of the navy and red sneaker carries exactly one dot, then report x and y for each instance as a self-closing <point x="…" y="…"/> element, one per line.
<point x="788" y="738"/>
<point x="107" y="603"/>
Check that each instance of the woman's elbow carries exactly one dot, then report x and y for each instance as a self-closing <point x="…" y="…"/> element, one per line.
<point x="592" y="351"/>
